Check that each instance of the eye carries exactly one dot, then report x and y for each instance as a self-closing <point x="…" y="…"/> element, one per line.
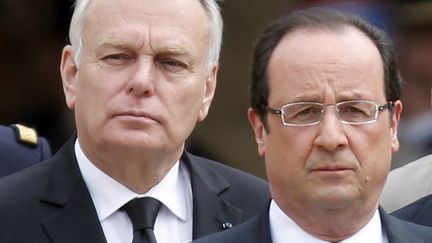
<point x="173" y="65"/>
<point x="297" y="113"/>
<point x="308" y="111"/>
<point x="117" y="58"/>
<point x="350" y="109"/>
<point x="358" y="109"/>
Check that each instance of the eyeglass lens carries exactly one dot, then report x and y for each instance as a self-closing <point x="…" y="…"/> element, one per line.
<point x="349" y="111"/>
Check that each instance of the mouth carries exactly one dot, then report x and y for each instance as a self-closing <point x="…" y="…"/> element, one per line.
<point x="332" y="169"/>
<point x="136" y="116"/>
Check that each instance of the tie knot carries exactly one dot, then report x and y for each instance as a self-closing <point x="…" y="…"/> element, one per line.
<point x="142" y="212"/>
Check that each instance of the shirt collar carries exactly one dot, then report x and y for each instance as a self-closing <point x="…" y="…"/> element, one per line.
<point x="282" y="227"/>
<point x="109" y="195"/>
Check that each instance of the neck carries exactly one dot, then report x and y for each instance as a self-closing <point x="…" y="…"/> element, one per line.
<point x="140" y="176"/>
<point x="331" y="225"/>
<point x="138" y="170"/>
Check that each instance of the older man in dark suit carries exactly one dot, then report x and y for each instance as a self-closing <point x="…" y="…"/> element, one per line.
<point x="20" y="147"/>
<point x="139" y="75"/>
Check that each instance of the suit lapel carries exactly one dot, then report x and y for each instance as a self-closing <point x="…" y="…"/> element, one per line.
<point x="75" y="218"/>
<point x="257" y="229"/>
<point x="211" y="213"/>
<point x="396" y="230"/>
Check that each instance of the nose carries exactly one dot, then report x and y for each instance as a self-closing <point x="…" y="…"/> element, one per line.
<point x="331" y="134"/>
<point x="142" y="78"/>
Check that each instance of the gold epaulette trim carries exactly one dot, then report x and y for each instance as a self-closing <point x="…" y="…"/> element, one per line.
<point x="26" y="134"/>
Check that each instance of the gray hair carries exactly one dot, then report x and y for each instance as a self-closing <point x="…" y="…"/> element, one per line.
<point x="210" y="6"/>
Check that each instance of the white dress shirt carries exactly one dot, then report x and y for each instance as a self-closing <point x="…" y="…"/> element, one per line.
<point x="174" y="221"/>
<point x="284" y="230"/>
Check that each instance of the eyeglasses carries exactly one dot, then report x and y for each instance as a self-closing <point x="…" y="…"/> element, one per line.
<point x="310" y="113"/>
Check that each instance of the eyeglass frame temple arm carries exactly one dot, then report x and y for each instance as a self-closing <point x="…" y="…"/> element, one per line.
<point x="388" y="105"/>
<point x="271" y="110"/>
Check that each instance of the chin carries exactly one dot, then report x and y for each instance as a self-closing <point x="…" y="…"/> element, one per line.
<point x="128" y="137"/>
<point x="334" y="199"/>
<point x="332" y="204"/>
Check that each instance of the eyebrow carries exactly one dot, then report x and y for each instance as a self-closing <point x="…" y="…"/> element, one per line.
<point x="352" y="95"/>
<point x="114" y="43"/>
<point x="169" y="49"/>
<point x="312" y="97"/>
<point x="306" y="96"/>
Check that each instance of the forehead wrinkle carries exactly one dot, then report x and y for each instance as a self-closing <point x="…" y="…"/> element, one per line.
<point x="332" y="77"/>
<point x="113" y="42"/>
<point x="320" y="90"/>
<point x="123" y="39"/>
<point x="174" y="50"/>
<point x="350" y="94"/>
<point x="162" y="45"/>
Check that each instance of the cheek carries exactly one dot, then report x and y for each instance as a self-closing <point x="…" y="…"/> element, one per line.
<point x="181" y="102"/>
<point x="285" y="172"/>
<point x="287" y="151"/>
<point x="376" y="143"/>
<point x="88" y="95"/>
<point x="187" y="98"/>
<point x="94" y="95"/>
<point x="373" y="150"/>
<point x="292" y="143"/>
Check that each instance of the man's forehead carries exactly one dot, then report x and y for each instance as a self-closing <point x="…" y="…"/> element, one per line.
<point x="336" y="32"/>
<point x="350" y="44"/>
<point x="146" y="18"/>
<point x="182" y="8"/>
<point x="310" y="58"/>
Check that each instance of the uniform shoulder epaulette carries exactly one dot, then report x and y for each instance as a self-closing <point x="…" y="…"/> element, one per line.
<point x="26" y="135"/>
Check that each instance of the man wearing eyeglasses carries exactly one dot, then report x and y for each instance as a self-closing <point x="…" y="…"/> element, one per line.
<point x="324" y="110"/>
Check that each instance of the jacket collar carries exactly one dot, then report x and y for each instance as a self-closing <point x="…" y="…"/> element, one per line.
<point x="211" y="213"/>
<point x="397" y="230"/>
<point x="76" y="219"/>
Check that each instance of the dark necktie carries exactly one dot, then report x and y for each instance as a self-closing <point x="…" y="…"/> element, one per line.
<point x="142" y="212"/>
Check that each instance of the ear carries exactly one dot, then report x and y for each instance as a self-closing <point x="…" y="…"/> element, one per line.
<point x="210" y="87"/>
<point x="259" y="131"/>
<point x="397" y="110"/>
<point x="69" y="71"/>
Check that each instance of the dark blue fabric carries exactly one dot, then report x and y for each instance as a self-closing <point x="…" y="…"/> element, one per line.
<point x="50" y="202"/>
<point x="419" y="212"/>
<point x="257" y="230"/>
<point x="15" y="156"/>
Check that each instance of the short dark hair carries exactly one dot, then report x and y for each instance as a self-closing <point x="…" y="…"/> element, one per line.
<point x="322" y="19"/>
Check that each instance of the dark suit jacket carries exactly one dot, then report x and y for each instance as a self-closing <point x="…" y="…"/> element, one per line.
<point x="419" y="212"/>
<point x="15" y="156"/>
<point x="51" y="203"/>
<point x="257" y="230"/>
